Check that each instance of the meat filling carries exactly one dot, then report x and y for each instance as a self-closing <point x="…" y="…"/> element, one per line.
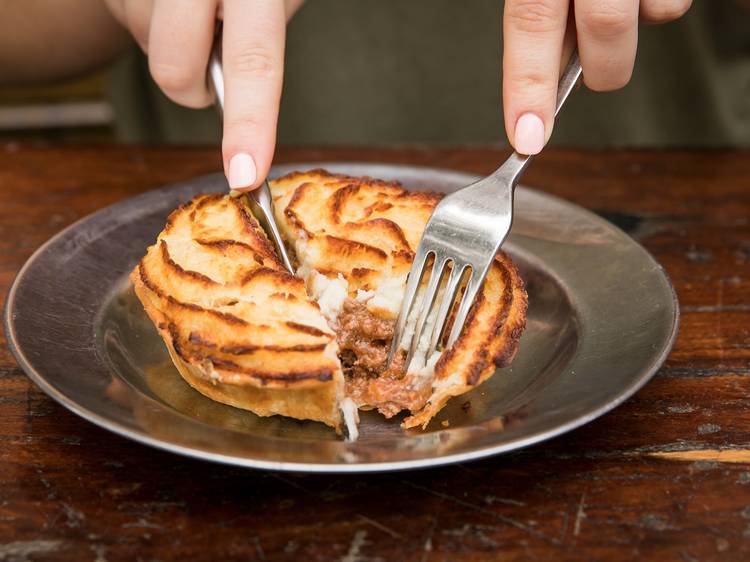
<point x="364" y="341"/>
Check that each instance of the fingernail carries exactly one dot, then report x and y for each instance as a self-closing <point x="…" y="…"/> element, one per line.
<point x="529" y="138"/>
<point x="242" y="171"/>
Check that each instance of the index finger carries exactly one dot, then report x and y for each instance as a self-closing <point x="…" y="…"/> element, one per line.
<point x="253" y="58"/>
<point x="533" y="32"/>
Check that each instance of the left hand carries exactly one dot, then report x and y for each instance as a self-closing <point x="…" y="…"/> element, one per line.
<point x="177" y="36"/>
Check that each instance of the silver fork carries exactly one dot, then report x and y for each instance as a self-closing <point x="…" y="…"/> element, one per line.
<point x="466" y="229"/>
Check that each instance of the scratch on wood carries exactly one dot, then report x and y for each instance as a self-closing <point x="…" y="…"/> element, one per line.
<point x="680" y="409"/>
<point x="380" y="526"/>
<point x="75" y="517"/>
<point x="290" y="482"/>
<point x="99" y="550"/>
<point x="722" y="544"/>
<point x="489" y="500"/>
<point x="702" y="466"/>
<point x="29" y="416"/>
<point x="708" y="428"/>
<point x="142" y="523"/>
<point x="354" y="553"/>
<point x="21" y="550"/>
<point x="719" y="320"/>
<point x="564" y="526"/>
<point x="475" y="531"/>
<point x="671" y="372"/>
<point x="479" y="509"/>
<point x="580" y="515"/>
<point x="50" y="492"/>
<point x="654" y="522"/>
<point x="719" y="307"/>
<point x="358" y="541"/>
<point x="259" y="549"/>
<point x="716" y="455"/>
<point x="427" y="548"/>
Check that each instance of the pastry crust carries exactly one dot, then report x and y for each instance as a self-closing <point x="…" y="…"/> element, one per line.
<point x="238" y="326"/>
<point x="245" y="332"/>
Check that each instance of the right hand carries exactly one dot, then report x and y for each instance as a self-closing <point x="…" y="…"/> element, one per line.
<point x="177" y="36"/>
<point x="606" y="32"/>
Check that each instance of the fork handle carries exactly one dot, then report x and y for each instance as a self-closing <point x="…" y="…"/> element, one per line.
<point x="514" y="166"/>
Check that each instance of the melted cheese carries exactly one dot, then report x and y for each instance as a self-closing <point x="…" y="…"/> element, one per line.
<point x="351" y="418"/>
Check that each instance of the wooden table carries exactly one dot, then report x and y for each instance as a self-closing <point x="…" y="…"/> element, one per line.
<point x="666" y="476"/>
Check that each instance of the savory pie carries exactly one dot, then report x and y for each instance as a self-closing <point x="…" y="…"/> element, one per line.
<point x="244" y="331"/>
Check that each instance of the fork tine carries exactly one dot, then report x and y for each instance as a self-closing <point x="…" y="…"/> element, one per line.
<point x="449" y="296"/>
<point x="472" y="288"/>
<point x="412" y="284"/>
<point x="426" y="304"/>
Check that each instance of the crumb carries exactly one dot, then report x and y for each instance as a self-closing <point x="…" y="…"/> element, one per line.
<point x="466" y="406"/>
<point x="445" y="423"/>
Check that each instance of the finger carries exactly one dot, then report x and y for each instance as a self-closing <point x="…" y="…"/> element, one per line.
<point x="662" y="11"/>
<point x="135" y="16"/>
<point x="607" y="40"/>
<point x="570" y="43"/>
<point x="179" y="46"/>
<point x="253" y="53"/>
<point x="533" y="33"/>
<point x="291" y="7"/>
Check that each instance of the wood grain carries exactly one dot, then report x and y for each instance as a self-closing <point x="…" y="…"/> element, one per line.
<point x="664" y="477"/>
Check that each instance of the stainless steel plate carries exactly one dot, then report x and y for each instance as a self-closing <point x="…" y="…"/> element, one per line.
<point x="601" y="320"/>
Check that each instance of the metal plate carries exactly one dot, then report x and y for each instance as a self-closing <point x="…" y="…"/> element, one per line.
<point x="602" y="318"/>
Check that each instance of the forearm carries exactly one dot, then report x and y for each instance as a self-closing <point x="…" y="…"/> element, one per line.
<point x="43" y="40"/>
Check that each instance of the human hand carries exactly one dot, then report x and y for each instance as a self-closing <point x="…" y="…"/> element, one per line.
<point x="177" y="36"/>
<point x="533" y="35"/>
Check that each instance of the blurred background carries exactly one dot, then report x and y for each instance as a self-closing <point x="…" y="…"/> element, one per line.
<point x="423" y="71"/>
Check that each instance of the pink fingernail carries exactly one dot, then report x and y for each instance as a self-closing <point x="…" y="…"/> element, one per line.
<point x="242" y="171"/>
<point x="529" y="138"/>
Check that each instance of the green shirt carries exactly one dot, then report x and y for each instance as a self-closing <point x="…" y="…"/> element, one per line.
<point x="428" y="71"/>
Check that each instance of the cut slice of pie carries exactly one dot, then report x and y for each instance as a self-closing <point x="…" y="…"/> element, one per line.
<point x="245" y="332"/>
<point x="354" y="241"/>
<point x="239" y="327"/>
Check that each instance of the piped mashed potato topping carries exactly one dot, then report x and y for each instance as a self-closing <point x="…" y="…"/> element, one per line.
<point x="387" y="297"/>
<point x="329" y="293"/>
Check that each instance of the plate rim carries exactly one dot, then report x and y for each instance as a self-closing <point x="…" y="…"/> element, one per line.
<point x="357" y="467"/>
